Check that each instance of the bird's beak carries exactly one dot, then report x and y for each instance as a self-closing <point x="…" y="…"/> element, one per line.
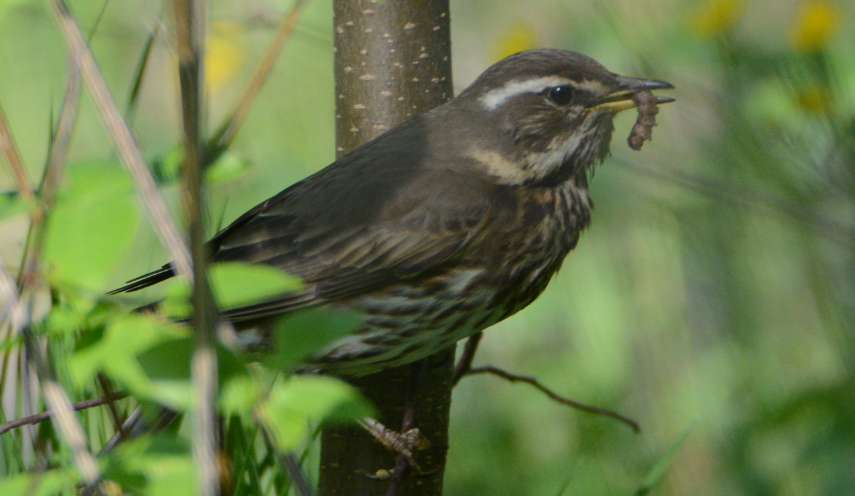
<point x="621" y="97"/>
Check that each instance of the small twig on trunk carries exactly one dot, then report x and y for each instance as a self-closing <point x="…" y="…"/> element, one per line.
<point x="464" y="364"/>
<point x="80" y="405"/>
<point x="489" y="369"/>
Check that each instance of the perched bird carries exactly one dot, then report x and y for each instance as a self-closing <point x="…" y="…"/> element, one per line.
<point x="446" y="224"/>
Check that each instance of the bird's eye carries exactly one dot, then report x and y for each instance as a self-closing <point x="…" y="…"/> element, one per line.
<point x="561" y="95"/>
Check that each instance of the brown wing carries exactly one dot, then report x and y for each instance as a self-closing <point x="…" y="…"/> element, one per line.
<point x="382" y="215"/>
<point x="412" y="230"/>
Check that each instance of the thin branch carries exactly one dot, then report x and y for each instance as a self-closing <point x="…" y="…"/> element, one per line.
<point x="51" y="176"/>
<point x="108" y="393"/>
<point x="489" y="369"/>
<point x="123" y="141"/>
<point x="80" y="405"/>
<point x="7" y="144"/>
<point x="464" y="364"/>
<point x="224" y="135"/>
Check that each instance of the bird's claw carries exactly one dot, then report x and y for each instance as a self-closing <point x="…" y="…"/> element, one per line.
<point x="407" y="443"/>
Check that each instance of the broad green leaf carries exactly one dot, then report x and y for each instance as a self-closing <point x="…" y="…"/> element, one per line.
<point x="661" y="465"/>
<point x="229" y="166"/>
<point x="91" y="226"/>
<point x="115" y="350"/>
<point x="300" y="333"/>
<point x="239" y="395"/>
<point x="238" y="284"/>
<point x="43" y="484"/>
<point x="166" y="369"/>
<point x="159" y="465"/>
<point x="299" y="400"/>
<point x="167" y="168"/>
<point x="177" y="304"/>
<point x="234" y="284"/>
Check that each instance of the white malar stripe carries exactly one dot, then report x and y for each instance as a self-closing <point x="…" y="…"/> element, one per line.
<point x="498" y="96"/>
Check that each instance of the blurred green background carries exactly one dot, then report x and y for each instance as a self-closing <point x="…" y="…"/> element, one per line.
<point x="715" y="288"/>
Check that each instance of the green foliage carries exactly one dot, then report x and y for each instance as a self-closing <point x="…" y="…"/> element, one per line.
<point x="238" y="284"/>
<point x="91" y="226"/>
<point x="228" y="166"/>
<point x="159" y="465"/>
<point x="234" y="284"/>
<point x="658" y="470"/>
<point x="299" y="333"/>
<point x="11" y="204"/>
<point x="716" y="281"/>
<point x="290" y="407"/>
<point x="43" y="484"/>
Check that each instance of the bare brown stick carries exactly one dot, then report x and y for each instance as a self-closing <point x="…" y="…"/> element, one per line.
<point x="50" y="178"/>
<point x="190" y="20"/>
<point x="224" y="135"/>
<point x="80" y="405"/>
<point x="123" y="141"/>
<point x="464" y="363"/>
<point x="7" y="143"/>
<point x="489" y="369"/>
<point x="108" y="393"/>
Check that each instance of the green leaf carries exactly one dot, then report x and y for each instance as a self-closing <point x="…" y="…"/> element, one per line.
<point x="234" y="284"/>
<point x="299" y="400"/>
<point x="177" y="304"/>
<point x="239" y="395"/>
<point x="166" y="367"/>
<point x="237" y="284"/>
<point x="91" y="226"/>
<point x="300" y="333"/>
<point x="44" y="484"/>
<point x="229" y="166"/>
<point x="167" y="168"/>
<point x="115" y="350"/>
<point x="159" y="465"/>
<point x="661" y="465"/>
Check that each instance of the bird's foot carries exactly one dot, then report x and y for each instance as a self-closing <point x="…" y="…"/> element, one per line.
<point x="407" y="443"/>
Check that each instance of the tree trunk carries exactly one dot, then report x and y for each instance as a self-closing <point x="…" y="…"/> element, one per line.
<point x="393" y="62"/>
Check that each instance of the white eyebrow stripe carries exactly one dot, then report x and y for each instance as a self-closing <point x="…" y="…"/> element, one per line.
<point x="498" y="96"/>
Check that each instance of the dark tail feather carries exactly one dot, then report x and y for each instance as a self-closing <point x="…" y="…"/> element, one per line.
<point x="146" y="280"/>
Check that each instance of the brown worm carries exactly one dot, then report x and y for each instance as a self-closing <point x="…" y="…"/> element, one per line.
<point x="643" y="129"/>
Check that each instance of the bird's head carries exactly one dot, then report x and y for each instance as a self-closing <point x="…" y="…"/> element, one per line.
<point x="549" y="114"/>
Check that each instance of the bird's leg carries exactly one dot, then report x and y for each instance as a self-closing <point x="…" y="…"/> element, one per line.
<point x="408" y="441"/>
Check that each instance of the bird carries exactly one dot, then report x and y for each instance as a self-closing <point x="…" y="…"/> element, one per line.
<point x="444" y="225"/>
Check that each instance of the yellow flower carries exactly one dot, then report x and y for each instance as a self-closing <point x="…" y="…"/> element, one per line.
<point x="225" y="54"/>
<point x="520" y="37"/>
<point x="814" y="99"/>
<point x="815" y="23"/>
<point x="715" y="16"/>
